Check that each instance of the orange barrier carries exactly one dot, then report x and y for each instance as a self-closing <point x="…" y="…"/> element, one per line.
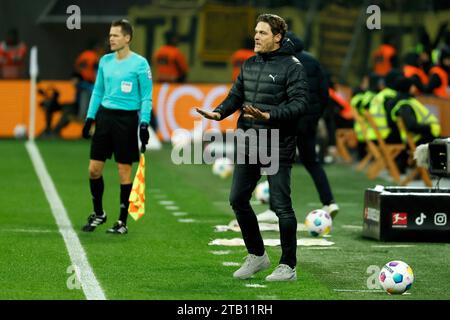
<point x="173" y="106"/>
<point x="15" y="107"/>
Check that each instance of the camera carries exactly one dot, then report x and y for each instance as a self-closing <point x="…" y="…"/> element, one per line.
<point x="439" y="157"/>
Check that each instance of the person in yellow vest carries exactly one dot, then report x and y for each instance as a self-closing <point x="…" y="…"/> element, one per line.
<point x="379" y="105"/>
<point x="418" y="119"/>
<point x="360" y="102"/>
<point x="439" y="76"/>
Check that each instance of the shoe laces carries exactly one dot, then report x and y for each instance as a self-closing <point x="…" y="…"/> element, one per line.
<point x="283" y="268"/>
<point x="249" y="260"/>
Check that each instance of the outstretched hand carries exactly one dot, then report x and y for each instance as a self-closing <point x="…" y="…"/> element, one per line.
<point x="209" y="115"/>
<point x="254" y="113"/>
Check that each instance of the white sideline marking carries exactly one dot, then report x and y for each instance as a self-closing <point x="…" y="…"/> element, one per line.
<point x="179" y="214"/>
<point x="322" y="248"/>
<point x="172" y="208"/>
<point x="167" y="202"/>
<point x="220" y="252"/>
<point x="186" y="220"/>
<point x="90" y="285"/>
<point x="393" y="246"/>
<point x="351" y="290"/>
<point x="348" y="226"/>
<point x="227" y="203"/>
<point x="267" y="297"/>
<point x="29" y="230"/>
<point x="255" y="285"/>
<point x="341" y="204"/>
<point x="159" y="196"/>
<point x="230" y="264"/>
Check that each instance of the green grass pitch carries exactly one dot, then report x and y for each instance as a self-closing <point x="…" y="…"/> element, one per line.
<point x="162" y="258"/>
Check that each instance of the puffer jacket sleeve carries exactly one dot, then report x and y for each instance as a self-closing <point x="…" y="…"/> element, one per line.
<point x="297" y="95"/>
<point x="234" y="100"/>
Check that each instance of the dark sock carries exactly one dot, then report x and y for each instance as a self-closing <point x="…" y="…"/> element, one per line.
<point x="125" y="190"/>
<point x="97" y="187"/>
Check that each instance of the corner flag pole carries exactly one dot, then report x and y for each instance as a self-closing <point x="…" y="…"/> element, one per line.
<point x="34" y="71"/>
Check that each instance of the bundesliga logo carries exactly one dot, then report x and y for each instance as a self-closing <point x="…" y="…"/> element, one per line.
<point x="399" y="219"/>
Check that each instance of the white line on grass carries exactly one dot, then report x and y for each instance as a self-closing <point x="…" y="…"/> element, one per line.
<point x="359" y="291"/>
<point x="179" y="214"/>
<point x="348" y="226"/>
<point x="90" y="285"/>
<point x="230" y="264"/>
<point x="166" y="202"/>
<point x="28" y="230"/>
<point x="393" y="246"/>
<point x="186" y="220"/>
<point x="220" y="252"/>
<point x="255" y="285"/>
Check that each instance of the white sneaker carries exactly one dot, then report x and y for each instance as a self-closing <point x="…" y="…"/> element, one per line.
<point x="282" y="273"/>
<point x="267" y="216"/>
<point x="252" y="265"/>
<point x="332" y="209"/>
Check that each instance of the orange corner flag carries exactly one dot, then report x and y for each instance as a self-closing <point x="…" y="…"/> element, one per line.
<point x="137" y="196"/>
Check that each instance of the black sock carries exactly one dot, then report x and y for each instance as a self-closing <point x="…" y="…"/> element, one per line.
<point x="125" y="190"/>
<point x="97" y="187"/>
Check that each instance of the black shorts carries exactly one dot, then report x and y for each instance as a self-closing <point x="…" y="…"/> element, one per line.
<point x="116" y="131"/>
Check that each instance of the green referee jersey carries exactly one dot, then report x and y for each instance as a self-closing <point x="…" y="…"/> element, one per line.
<point x="124" y="84"/>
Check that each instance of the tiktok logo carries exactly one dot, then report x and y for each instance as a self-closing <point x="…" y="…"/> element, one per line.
<point x="420" y="220"/>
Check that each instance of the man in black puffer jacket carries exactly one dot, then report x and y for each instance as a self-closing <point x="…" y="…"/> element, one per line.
<point x="307" y="125"/>
<point x="271" y="92"/>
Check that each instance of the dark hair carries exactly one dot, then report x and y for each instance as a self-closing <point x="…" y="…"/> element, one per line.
<point x="276" y="23"/>
<point x="127" y="28"/>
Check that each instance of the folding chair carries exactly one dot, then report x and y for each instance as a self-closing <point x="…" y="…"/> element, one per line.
<point x="412" y="147"/>
<point x="388" y="150"/>
<point x="374" y="159"/>
<point x="345" y="137"/>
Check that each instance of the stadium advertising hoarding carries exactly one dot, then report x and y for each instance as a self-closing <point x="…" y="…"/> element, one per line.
<point x="173" y="106"/>
<point x="407" y="214"/>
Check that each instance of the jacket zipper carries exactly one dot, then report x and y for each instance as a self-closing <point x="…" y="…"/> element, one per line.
<point x="257" y="83"/>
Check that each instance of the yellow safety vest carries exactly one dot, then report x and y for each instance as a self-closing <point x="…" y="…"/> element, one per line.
<point x="359" y="102"/>
<point x="378" y="112"/>
<point x="423" y="116"/>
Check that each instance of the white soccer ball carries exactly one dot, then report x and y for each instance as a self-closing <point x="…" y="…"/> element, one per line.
<point x="396" y="277"/>
<point x="318" y="222"/>
<point x="20" y="131"/>
<point x="222" y="167"/>
<point x="262" y="192"/>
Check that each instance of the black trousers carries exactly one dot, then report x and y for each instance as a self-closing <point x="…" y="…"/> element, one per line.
<point x="306" y="144"/>
<point x="245" y="179"/>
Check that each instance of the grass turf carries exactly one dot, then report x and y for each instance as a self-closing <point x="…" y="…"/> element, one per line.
<point x="163" y="258"/>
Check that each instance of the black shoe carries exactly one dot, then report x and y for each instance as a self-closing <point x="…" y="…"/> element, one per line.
<point x="93" y="222"/>
<point x="118" y="228"/>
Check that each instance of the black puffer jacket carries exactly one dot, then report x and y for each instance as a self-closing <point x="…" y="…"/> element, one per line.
<point x="273" y="82"/>
<point x="317" y="80"/>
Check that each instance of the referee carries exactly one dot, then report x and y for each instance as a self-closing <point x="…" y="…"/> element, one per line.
<point x="120" y="103"/>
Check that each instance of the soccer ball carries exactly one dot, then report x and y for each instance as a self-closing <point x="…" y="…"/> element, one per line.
<point x="223" y="167"/>
<point x="396" y="277"/>
<point x="318" y="222"/>
<point x="20" y="131"/>
<point x="262" y="192"/>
